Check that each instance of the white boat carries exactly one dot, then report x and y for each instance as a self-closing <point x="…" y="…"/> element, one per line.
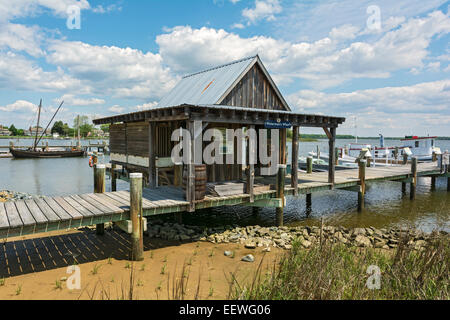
<point x="413" y="146"/>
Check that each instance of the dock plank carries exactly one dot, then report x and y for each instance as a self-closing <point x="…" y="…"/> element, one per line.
<point x="145" y="202"/>
<point x="61" y="213"/>
<point x="85" y="212"/>
<point x="107" y="203"/>
<point x="25" y="214"/>
<point x="87" y="205"/>
<point x="4" y="224"/>
<point x="38" y="215"/>
<point x="95" y="203"/>
<point x="13" y="215"/>
<point x="114" y="196"/>
<point x="124" y="207"/>
<point x="51" y="216"/>
<point x="68" y="208"/>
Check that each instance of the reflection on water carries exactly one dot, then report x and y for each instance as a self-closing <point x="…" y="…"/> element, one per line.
<point x="385" y="205"/>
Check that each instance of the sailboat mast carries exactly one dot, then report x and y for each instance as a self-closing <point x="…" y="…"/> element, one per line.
<point x="78" y="128"/>
<point x="37" y="127"/>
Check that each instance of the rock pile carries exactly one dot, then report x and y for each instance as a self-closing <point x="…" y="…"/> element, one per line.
<point x="253" y="237"/>
<point x="7" y="195"/>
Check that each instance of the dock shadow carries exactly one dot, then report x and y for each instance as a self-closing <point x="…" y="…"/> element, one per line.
<point x="26" y="256"/>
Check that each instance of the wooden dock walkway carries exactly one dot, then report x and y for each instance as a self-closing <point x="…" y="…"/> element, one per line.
<point x="66" y="212"/>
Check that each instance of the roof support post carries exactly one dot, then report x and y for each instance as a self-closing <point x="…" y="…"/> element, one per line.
<point x="332" y="155"/>
<point x="294" y="161"/>
<point x="190" y="185"/>
<point x="152" y="154"/>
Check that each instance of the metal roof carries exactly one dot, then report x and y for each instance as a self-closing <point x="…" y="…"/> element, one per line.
<point x="206" y="87"/>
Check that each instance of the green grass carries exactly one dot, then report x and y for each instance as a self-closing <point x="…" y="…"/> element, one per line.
<point x="338" y="272"/>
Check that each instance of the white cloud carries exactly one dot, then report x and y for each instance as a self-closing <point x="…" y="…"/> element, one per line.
<point x="263" y="10"/>
<point x="19" y="106"/>
<point x="121" y="72"/>
<point x="116" y="109"/>
<point x="21" y="38"/>
<point x="72" y="100"/>
<point x="146" y="106"/>
<point x="395" y="110"/>
<point x="23" y="8"/>
<point x="324" y="63"/>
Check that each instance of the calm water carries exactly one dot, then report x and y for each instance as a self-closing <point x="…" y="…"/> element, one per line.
<point x="385" y="205"/>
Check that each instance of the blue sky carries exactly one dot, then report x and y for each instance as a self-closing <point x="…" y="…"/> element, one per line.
<point x="385" y="62"/>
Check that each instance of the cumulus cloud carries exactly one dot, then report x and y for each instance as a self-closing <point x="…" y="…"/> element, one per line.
<point x="120" y="72"/>
<point x="72" y="100"/>
<point x="263" y="10"/>
<point x="19" y="106"/>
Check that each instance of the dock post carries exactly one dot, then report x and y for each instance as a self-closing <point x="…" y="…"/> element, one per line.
<point x="99" y="187"/>
<point x="403" y="188"/>
<point x="433" y="183"/>
<point x="332" y="156"/>
<point x="414" y="178"/>
<point x="448" y="179"/>
<point x="280" y="193"/>
<point x="362" y="184"/>
<point x="308" y="204"/>
<point x="309" y="165"/>
<point x="137" y="239"/>
<point x="405" y="159"/>
<point x="113" y="178"/>
<point x="250" y="183"/>
<point x="294" y="161"/>
<point x="336" y="156"/>
<point x="178" y="174"/>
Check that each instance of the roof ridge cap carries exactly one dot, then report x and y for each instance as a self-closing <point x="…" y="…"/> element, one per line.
<point x="221" y="66"/>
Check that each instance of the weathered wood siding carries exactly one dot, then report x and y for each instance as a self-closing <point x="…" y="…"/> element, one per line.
<point x="254" y="91"/>
<point x="117" y="139"/>
<point x="132" y="139"/>
<point x="137" y="139"/>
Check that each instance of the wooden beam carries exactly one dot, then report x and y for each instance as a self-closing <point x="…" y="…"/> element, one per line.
<point x="99" y="187"/>
<point x="332" y="155"/>
<point x="362" y="184"/>
<point x="152" y="154"/>
<point x="250" y="167"/>
<point x="190" y="186"/>
<point x="137" y="238"/>
<point x="294" y="161"/>
<point x="328" y="133"/>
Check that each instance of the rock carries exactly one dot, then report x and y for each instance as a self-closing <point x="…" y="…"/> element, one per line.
<point x="250" y="245"/>
<point x="248" y="258"/>
<point x="184" y="237"/>
<point x="266" y="249"/>
<point x="288" y="247"/>
<point x="363" y="241"/>
<point x="64" y="279"/>
<point x="306" y="244"/>
<point x="359" y="231"/>
<point x="228" y="253"/>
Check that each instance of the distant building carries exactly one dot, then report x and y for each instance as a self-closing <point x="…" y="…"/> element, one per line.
<point x="40" y="130"/>
<point x="4" y="131"/>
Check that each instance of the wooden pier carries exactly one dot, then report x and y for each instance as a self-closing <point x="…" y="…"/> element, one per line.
<point x="66" y="212"/>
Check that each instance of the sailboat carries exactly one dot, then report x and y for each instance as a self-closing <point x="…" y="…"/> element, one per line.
<point x="45" y="152"/>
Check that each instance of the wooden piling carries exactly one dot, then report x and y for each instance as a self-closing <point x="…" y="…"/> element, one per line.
<point x="309" y="164"/>
<point x="179" y="217"/>
<point x="332" y="156"/>
<point x="113" y="177"/>
<point x="178" y="174"/>
<point x="414" y="178"/>
<point x="99" y="187"/>
<point x="405" y="158"/>
<point x="280" y="193"/>
<point x="403" y="188"/>
<point x="250" y="167"/>
<point x="294" y="161"/>
<point x="433" y="183"/>
<point x="336" y="156"/>
<point x="362" y="184"/>
<point x="137" y="235"/>
<point x="308" y="204"/>
<point x="448" y="179"/>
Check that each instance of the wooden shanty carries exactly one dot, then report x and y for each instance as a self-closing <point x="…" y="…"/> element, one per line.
<point x="241" y="94"/>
